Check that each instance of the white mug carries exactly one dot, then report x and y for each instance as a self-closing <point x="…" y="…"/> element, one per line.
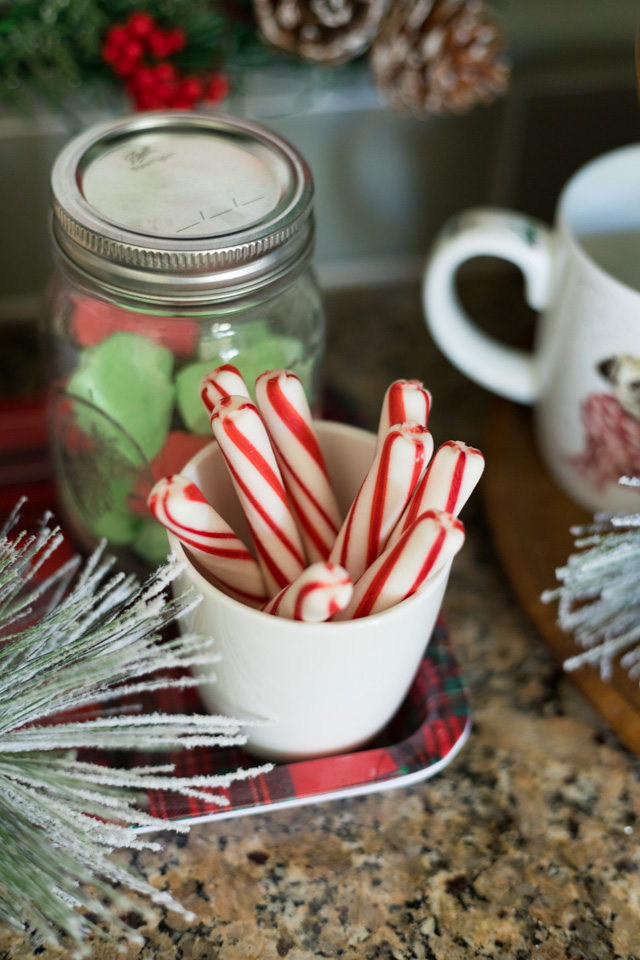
<point x="314" y="688"/>
<point x="583" y="375"/>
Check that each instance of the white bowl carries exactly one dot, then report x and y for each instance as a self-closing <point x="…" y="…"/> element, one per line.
<point x="317" y="688"/>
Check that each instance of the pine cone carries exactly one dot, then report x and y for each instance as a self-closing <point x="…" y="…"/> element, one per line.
<point x="439" y="56"/>
<point x="322" y="31"/>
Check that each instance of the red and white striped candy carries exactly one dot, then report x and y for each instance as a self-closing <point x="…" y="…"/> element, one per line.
<point x="245" y="445"/>
<point x="423" y="549"/>
<point x="397" y="468"/>
<point x="224" y="381"/>
<point x="404" y="400"/>
<point x="321" y="591"/>
<point x="285" y="411"/>
<point x="447" y="485"/>
<point x="179" y="505"/>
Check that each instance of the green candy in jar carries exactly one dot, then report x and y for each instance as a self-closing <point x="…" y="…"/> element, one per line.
<point x="129" y="378"/>
<point x="182" y="241"/>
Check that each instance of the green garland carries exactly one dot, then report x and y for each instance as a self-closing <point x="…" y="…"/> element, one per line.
<point x="52" y="48"/>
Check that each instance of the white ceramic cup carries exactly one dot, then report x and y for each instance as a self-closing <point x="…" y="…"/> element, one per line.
<point x="322" y="688"/>
<point x="583" y="376"/>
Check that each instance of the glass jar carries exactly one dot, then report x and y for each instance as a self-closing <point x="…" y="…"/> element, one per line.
<point x="181" y="242"/>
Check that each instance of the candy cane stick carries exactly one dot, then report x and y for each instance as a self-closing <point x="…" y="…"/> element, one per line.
<point x="282" y="402"/>
<point x="321" y="591"/>
<point x="404" y="400"/>
<point x="245" y="445"/>
<point x="421" y="552"/>
<point x="224" y="381"/>
<point x="180" y="507"/>
<point x="447" y="485"/>
<point x="396" y="469"/>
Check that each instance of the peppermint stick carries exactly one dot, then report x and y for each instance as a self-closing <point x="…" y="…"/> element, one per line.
<point x="285" y="411"/>
<point x="421" y="552"/>
<point x="224" y="381"/>
<point x="321" y="591"/>
<point x="397" y="468"/>
<point x="245" y="445"/>
<point x="447" y="485"/>
<point x="404" y="400"/>
<point x="179" y="505"/>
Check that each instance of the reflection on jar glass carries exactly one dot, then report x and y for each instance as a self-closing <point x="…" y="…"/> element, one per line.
<point x="134" y="320"/>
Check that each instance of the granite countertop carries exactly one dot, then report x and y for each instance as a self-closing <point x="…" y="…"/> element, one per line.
<point x="526" y="845"/>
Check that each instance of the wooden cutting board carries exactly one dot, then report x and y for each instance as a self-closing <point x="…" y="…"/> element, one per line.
<point x="530" y="520"/>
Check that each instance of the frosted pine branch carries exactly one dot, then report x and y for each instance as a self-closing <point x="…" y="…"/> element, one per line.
<point x="84" y="636"/>
<point x="599" y="600"/>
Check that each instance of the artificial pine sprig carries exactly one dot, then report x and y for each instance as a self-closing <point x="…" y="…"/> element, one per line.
<point x="599" y="600"/>
<point x="68" y="641"/>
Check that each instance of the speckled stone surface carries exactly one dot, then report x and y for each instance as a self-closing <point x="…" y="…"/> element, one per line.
<point x="525" y="846"/>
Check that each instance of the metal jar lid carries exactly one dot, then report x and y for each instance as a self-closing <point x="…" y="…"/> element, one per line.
<point x="182" y="206"/>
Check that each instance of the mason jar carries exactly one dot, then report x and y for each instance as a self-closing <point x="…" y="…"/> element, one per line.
<point x="181" y="242"/>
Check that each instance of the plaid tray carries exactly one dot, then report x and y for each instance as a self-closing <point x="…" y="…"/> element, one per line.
<point x="426" y="733"/>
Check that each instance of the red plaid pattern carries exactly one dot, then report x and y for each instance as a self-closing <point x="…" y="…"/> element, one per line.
<point x="429" y="725"/>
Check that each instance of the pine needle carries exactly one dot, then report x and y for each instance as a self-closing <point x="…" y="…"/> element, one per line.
<point x="87" y="634"/>
<point x="599" y="600"/>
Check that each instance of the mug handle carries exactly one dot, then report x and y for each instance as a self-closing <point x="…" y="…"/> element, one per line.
<point x="490" y="232"/>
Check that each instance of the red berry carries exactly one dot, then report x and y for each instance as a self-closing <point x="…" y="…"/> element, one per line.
<point x="144" y="78"/>
<point x="125" y="67"/>
<point x="182" y="103"/>
<point x="132" y="50"/>
<point x="110" y="52"/>
<point x="165" y="72"/>
<point x="175" y="39"/>
<point x="140" y="24"/>
<point x="146" y="101"/>
<point x="158" y="44"/>
<point x="165" y="92"/>
<point x="117" y="36"/>
<point x="191" y="88"/>
<point x="217" y="88"/>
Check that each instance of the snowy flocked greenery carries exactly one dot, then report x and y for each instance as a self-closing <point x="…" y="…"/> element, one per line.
<point x="82" y="635"/>
<point x="599" y="599"/>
